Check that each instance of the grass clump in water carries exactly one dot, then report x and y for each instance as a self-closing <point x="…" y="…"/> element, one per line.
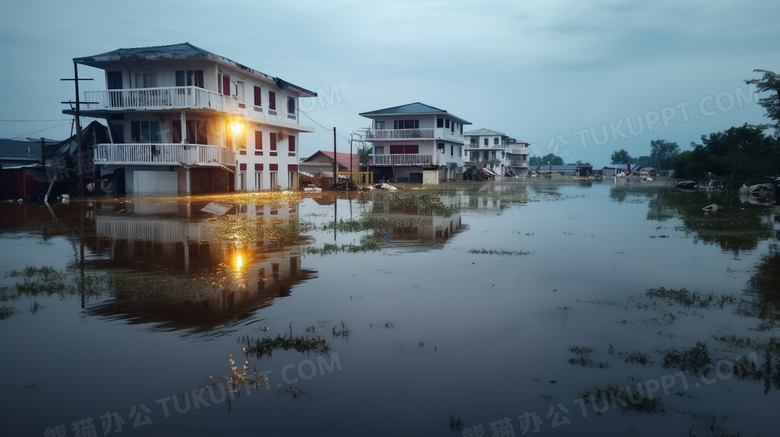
<point x="262" y="347"/>
<point x="693" y="299"/>
<point x="497" y="252"/>
<point x="696" y="359"/>
<point x="328" y="248"/>
<point x="358" y="225"/>
<point x="627" y="398"/>
<point x="583" y="359"/>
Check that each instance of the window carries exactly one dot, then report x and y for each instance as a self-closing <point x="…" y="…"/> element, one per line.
<point x="379" y="124"/>
<point x="259" y="142"/>
<point x="271" y="100"/>
<point x="258" y="97"/>
<point x="190" y="78"/>
<point x="224" y="85"/>
<point x="461" y="129"/>
<point x="487" y="141"/>
<point x="406" y="124"/>
<point x="452" y="127"/>
<point x="291" y="141"/>
<point x="291" y="105"/>
<point x="452" y="150"/>
<point x="272" y="146"/>
<point x="447" y="124"/>
<point x="240" y="91"/>
<point x="440" y="147"/>
<point x="145" y="131"/>
<point x="495" y="140"/>
<point x="473" y="141"/>
<point x="146" y="80"/>
<point x="258" y="178"/>
<point x="379" y="150"/>
<point x="439" y="122"/>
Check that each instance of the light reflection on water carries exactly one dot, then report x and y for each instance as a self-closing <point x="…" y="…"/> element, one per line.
<point x="434" y="330"/>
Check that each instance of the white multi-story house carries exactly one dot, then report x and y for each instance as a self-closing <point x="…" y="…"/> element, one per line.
<point x="503" y="155"/>
<point x="416" y="143"/>
<point x="185" y="120"/>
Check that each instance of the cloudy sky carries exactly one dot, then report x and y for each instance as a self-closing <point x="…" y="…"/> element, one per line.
<point x="580" y="79"/>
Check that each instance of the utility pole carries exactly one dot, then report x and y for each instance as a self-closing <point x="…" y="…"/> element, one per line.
<point x="335" y="163"/>
<point x="78" y="124"/>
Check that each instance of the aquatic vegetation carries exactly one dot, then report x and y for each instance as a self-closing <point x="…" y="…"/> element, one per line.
<point x="696" y="359"/>
<point x="497" y="252"/>
<point x="635" y="357"/>
<point x="342" y="332"/>
<point x="265" y="346"/>
<point x="693" y="299"/>
<point x="455" y="424"/>
<point x="6" y="312"/>
<point x="584" y="360"/>
<point x="357" y="225"/>
<point x="329" y="248"/>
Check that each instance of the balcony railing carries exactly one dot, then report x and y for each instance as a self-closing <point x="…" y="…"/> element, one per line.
<point x="405" y="159"/>
<point x="162" y="154"/>
<point x="398" y="134"/>
<point x="180" y="97"/>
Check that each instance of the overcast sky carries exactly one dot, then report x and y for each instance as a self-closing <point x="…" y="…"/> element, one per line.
<point x="580" y="79"/>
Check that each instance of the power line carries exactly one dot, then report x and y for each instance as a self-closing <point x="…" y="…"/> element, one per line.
<point x="326" y="128"/>
<point x="33" y="121"/>
<point x="24" y="135"/>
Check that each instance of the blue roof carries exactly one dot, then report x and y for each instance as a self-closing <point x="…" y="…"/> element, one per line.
<point x="416" y="108"/>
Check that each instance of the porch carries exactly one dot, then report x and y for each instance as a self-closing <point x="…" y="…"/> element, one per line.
<point x="180" y="97"/>
<point x="161" y="154"/>
<point x="403" y="159"/>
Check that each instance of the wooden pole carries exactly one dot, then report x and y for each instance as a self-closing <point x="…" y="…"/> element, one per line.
<point x="78" y="129"/>
<point x="335" y="163"/>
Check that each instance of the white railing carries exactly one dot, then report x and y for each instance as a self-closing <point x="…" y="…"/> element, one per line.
<point x="160" y="98"/>
<point x="401" y="134"/>
<point x="161" y="153"/>
<point x="405" y="159"/>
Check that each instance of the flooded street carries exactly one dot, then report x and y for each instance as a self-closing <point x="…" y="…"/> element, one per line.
<point x="465" y="309"/>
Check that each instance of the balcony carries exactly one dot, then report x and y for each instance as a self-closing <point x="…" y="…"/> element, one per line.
<point x="399" y="134"/>
<point x="180" y="97"/>
<point x="405" y="159"/>
<point x="161" y="154"/>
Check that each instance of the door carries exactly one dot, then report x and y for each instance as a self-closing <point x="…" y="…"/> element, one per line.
<point x="114" y="82"/>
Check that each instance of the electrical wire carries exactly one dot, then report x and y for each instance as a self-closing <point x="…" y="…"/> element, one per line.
<point x="315" y="122"/>
<point x="24" y="135"/>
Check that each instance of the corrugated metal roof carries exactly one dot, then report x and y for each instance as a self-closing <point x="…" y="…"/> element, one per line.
<point x="342" y="158"/>
<point x="480" y="132"/>
<point x="416" y="108"/>
<point x="20" y="149"/>
<point x="178" y="52"/>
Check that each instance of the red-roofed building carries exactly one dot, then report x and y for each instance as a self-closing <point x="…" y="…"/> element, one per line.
<point x="323" y="161"/>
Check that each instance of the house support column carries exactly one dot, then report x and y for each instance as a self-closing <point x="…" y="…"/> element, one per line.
<point x="184" y="128"/>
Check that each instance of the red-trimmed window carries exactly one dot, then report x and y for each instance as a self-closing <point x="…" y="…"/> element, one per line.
<point x="258" y="167"/>
<point x="292" y="143"/>
<point x="242" y="166"/>
<point x="273" y="167"/>
<point x="225" y="85"/>
<point x="271" y="100"/>
<point x="272" y="147"/>
<point x="258" y="96"/>
<point x="259" y="142"/>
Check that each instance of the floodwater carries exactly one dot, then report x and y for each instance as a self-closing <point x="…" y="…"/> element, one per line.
<point x="475" y="309"/>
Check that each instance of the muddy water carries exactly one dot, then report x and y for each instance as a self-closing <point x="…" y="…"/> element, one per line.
<point x="479" y="307"/>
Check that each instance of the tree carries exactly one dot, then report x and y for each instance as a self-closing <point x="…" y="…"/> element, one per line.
<point x="363" y="154"/>
<point x="551" y="157"/>
<point x="620" y="157"/>
<point x="771" y="83"/>
<point x="662" y="152"/>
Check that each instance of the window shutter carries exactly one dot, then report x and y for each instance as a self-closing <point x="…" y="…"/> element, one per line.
<point x="258" y="140"/>
<point x="271" y="100"/>
<point x="273" y="141"/>
<point x="292" y="143"/>
<point x="258" y="96"/>
<point x="243" y="166"/>
<point x="226" y="85"/>
<point x="273" y="167"/>
<point x="258" y="167"/>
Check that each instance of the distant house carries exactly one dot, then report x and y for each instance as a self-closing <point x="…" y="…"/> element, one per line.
<point x="322" y="161"/>
<point x="416" y="143"/>
<point x="496" y="151"/>
<point x="185" y="120"/>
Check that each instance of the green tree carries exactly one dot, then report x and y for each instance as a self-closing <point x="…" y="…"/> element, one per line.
<point x="661" y="152"/>
<point x="620" y="157"/>
<point x="769" y="83"/>
<point x="363" y="154"/>
<point x="551" y="157"/>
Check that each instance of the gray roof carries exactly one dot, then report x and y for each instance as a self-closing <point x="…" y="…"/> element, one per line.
<point x="20" y="150"/>
<point x="416" y="108"/>
<point x="180" y="51"/>
<point x="480" y="132"/>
